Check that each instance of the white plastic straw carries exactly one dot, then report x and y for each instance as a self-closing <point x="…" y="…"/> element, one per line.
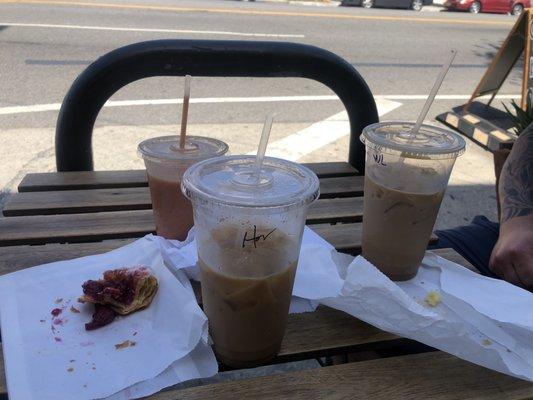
<point x="262" y="147"/>
<point x="185" y="110"/>
<point x="434" y="90"/>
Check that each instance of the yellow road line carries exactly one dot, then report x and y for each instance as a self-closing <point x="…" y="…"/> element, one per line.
<point x="257" y="12"/>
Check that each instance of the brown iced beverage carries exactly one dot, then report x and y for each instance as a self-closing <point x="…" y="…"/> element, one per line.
<point x="409" y="218"/>
<point x="248" y="227"/>
<point x="406" y="175"/>
<point x="165" y="164"/>
<point x="172" y="210"/>
<point x="247" y="297"/>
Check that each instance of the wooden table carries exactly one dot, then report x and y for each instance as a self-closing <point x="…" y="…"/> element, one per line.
<point x="58" y="216"/>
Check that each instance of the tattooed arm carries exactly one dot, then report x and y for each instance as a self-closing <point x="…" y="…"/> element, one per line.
<point x="512" y="257"/>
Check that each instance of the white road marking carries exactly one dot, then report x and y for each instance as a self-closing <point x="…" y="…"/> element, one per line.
<point x="185" y="31"/>
<point x="312" y="138"/>
<point x="444" y="97"/>
<point x="205" y="100"/>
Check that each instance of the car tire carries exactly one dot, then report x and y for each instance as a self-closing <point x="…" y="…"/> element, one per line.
<point x="417" y="5"/>
<point x="367" y="3"/>
<point x="517" y="9"/>
<point x="475" y="7"/>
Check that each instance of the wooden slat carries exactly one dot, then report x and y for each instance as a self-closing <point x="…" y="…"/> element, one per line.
<point x="136" y="178"/>
<point x="41" y="229"/>
<point x="346" y="237"/>
<point x="14" y="258"/>
<point x="133" y="198"/>
<point x="77" y="201"/>
<point x="82" y="180"/>
<point x="348" y="186"/>
<point x="327" y="332"/>
<point x="75" y="227"/>
<point x="331" y="169"/>
<point x="435" y="376"/>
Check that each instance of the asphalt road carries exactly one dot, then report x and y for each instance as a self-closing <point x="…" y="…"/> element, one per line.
<point x="44" y="45"/>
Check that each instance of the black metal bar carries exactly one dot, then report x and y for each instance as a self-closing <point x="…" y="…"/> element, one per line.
<point x="209" y="58"/>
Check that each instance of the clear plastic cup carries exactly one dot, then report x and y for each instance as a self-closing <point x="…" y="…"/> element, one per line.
<point x="405" y="179"/>
<point x="165" y="164"/>
<point x="249" y="233"/>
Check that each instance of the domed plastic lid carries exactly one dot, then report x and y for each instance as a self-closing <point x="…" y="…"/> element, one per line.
<point x="233" y="181"/>
<point x="429" y="142"/>
<point x="167" y="149"/>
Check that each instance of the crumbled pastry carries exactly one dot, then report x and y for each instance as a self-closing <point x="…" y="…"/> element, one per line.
<point x="124" y="290"/>
<point x="121" y="291"/>
<point x="433" y="298"/>
<point x="103" y="315"/>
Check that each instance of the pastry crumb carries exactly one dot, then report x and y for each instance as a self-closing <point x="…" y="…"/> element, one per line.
<point x="433" y="299"/>
<point x="59" y="300"/>
<point x="70" y="369"/>
<point x="125" y="344"/>
<point x="486" y="342"/>
<point x="74" y="310"/>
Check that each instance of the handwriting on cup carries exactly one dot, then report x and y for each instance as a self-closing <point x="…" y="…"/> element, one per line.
<point x="378" y="158"/>
<point x="254" y="238"/>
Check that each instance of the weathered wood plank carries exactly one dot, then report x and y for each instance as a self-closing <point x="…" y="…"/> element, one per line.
<point x="13" y="258"/>
<point x="435" y="376"/>
<point x="327" y="332"/>
<point x="42" y="229"/>
<point x="39" y="229"/>
<point x="120" y="179"/>
<point x="82" y="180"/>
<point x="131" y="198"/>
<point x="77" y="201"/>
<point x="346" y="237"/>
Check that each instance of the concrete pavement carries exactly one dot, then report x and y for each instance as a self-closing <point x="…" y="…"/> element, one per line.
<point x="398" y="53"/>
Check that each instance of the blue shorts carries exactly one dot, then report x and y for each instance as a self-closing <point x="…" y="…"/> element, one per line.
<point x="474" y="242"/>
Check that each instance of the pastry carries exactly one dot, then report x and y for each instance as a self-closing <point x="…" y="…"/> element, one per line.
<point x="124" y="290"/>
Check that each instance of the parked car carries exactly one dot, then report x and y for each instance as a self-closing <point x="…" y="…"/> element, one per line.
<point x="409" y="4"/>
<point x="514" y="7"/>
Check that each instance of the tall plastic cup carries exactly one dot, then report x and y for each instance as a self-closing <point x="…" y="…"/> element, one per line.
<point x="249" y="233"/>
<point x="405" y="179"/>
<point x="165" y="164"/>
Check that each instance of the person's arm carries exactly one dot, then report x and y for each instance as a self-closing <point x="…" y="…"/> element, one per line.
<point x="512" y="257"/>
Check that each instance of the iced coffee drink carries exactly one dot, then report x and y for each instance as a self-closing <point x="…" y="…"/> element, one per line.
<point x="405" y="179"/>
<point x="247" y="293"/>
<point x="165" y="164"/>
<point x="249" y="234"/>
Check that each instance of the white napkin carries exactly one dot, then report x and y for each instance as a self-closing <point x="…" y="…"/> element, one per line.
<point x="479" y="319"/>
<point x="316" y="276"/>
<point x="50" y="360"/>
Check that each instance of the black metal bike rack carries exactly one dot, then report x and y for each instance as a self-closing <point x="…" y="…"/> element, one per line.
<point x="209" y="58"/>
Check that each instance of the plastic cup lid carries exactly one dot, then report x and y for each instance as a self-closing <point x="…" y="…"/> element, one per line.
<point x="429" y="142"/>
<point x="166" y="149"/>
<point x="232" y="181"/>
